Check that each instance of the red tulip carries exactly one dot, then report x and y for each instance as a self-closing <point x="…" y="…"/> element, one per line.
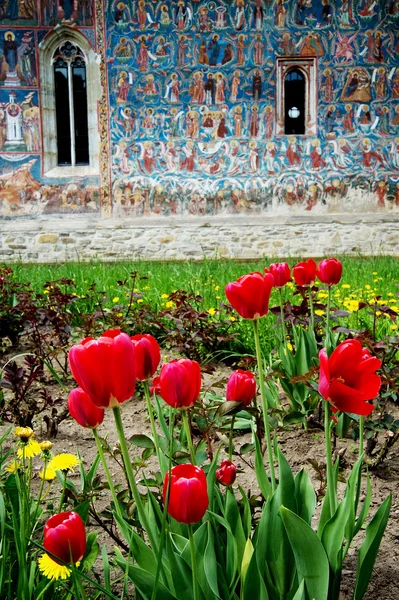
<point x="155" y="388"/>
<point x="180" y="383"/>
<point x="105" y="368"/>
<point x="347" y="379"/>
<point x="281" y="273"/>
<point x="188" y="493"/>
<point x="250" y="294"/>
<point x="241" y="387"/>
<point x="82" y="409"/>
<point x="329" y="271"/>
<point x="147" y="355"/>
<point x="227" y="473"/>
<point x="305" y="273"/>
<point x="65" y="537"/>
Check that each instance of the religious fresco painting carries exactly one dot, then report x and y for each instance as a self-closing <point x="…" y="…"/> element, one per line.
<point x="193" y="119"/>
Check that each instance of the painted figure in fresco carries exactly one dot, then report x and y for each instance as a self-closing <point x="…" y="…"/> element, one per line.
<point x="369" y="154"/>
<point x="381" y="191"/>
<point x="181" y="50"/>
<point x="345" y="15"/>
<point x="123" y="49"/>
<point x="214" y="49"/>
<point x="150" y="88"/>
<point x="395" y="157"/>
<point x="343" y="47"/>
<point x="315" y="155"/>
<point x="221" y="130"/>
<point x="287" y="45"/>
<point x="330" y="120"/>
<point x="327" y="89"/>
<point x="141" y="15"/>
<point x="300" y="12"/>
<point x="220" y="96"/>
<point x="365" y="119"/>
<point x="292" y="152"/>
<point x="10" y="50"/>
<point x="197" y="91"/>
<point x="258" y="50"/>
<point x="67" y="7"/>
<point x="380" y="84"/>
<point x="123" y="87"/>
<point x="254" y="159"/>
<point x="161" y="47"/>
<point x="357" y="86"/>
<point x="148" y="157"/>
<point x="395" y="86"/>
<point x="192" y="124"/>
<point x="174" y="122"/>
<point x="313" y="197"/>
<point x="378" y="53"/>
<point x="347" y="121"/>
<point x="228" y="54"/>
<point x="238" y="121"/>
<point x="235" y="85"/>
<point x="239" y="17"/>
<point x="281" y="11"/>
<point x="188" y="162"/>
<point x="257" y="20"/>
<point x="165" y="17"/>
<point x="257" y="86"/>
<point x="341" y="158"/>
<point x="148" y="121"/>
<point x="128" y="121"/>
<point x="269" y="120"/>
<point x="312" y="46"/>
<point x="254" y="122"/>
<point x="383" y="123"/>
<point x="183" y="16"/>
<point x="202" y="54"/>
<point x="270" y="158"/>
<point x="368" y="9"/>
<point x="143" y="56"/>
<point x="205" y="22"/>
<point x="240" y="50"/>
<point x="172" y="92"/>
<point x="210" y="89"/>
<point x="12" y="11"/>
<point x="326" y="13"/>
<point x="121" y="13"/>
<point x="289" y="194"/>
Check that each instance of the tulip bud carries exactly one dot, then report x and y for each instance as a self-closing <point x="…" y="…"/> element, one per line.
<point x="180" y="383"/>
<point x="227" y="473"/>
<point x="250" y="294"/>
<point x="188" y="493"/>
<point x="305" y="273"/>
<point x="241" y="387"/>
<point x="105" y="368"/>
<point x="329" y="271"/>
<point x="65" y="537"/>
<point x="281" y="274"/>
<point x="82" y="409"/>
<point x="147" y="355"/>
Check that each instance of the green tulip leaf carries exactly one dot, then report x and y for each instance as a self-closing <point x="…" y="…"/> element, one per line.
<point x="254" y="586"/>
<point x="142" y="579"/>
<point x="141" y="441"/>
<point x="369" y="549"/>
<point x="365" y="508"/>
<point x="233" y="516"/>
<point x="310" y="558"/>
<point x="261" y="475"/>
<point x="92" y="550"/>
<point x="210" y="564"/>
<point x="229" y="407"/>
<point x="305" y="496"/>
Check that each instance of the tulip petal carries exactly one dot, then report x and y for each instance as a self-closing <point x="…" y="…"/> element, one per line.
<point x="349" y="400"/>
<point x="324" y="378"/>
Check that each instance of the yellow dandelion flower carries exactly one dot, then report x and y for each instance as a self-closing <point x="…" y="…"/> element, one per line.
<point x="290" y="346"/>
<point x="46" y="292"/>
<point x="82" y="296"/>
<point x="140" y="300"/>
<point x="346" y="286"/>
<point x="164" y="296"/>
<point x="394" y="327"/>
<point x="13" y="466"/>
<point x="64" y="462"/>
<point x="232" y="318"/>
<point x="375" y="273"/>
<point x="53" y="570"/>
<point x="217" y="287"/>
<point x="29" y="450"/>
<point x="390" y="294"/>
<point x="119" y="315"/>
<point x="169" y="304"/>
<point x="319" y="312"/>
<point x="46" y="446"/>
<point x="48" y="475"/>
<point x="212" y="311"/>
<point x="23" y="432"/>
<point x="217" y="297"/>
<point x="378" y="313"/>
<point x="115" y="300"/>
<point x="367" y="287"/>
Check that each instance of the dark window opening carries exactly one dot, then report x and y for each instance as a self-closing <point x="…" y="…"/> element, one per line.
<point x="294" y="103"/>
<point x="71" y="106"/>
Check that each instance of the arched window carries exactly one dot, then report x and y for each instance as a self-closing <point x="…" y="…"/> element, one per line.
<point x="294" y="102"/>
<point x="70" y="89"/>
<point x="71" y="105"/>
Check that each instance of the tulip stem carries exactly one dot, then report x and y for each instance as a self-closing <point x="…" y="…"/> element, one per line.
<point x="165" y="509"/>
<point x="153" y="428"/>
<point x="63" y="492"/>
<point x="107" y="473"/>
<point x="130" y="476"/>
<point x="283" y="330"/>
<point x="264" y="405"/>
<point x="311" y="307"/>
<point x="331" y="489"/>
<point x="328" y="329"/>
<point x="233" y="418"/>
<point x="361" y="435"/>
<point x="193" y="562"/>
<point x="188" y="436"/>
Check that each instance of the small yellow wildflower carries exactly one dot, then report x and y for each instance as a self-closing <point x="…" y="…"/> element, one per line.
<point x="375" y="273"/>
<point x="367" y="287"/>
<point x="346" y="286"/>
<point x="169" y="304"/>
<point x="48" y="475"/>
<point x="290" y="346"/>
<point x="29" y="450"/>
<point x="394" y="327"/>
<point x="64" y="462"/>
<point x="115" y="300"/>
<point x="319" y="312"/>
<point x="46" y="292"/>
<point x="217" y="287"/>
<point x="217" y="297"/>
<point x="82" y="296"/>
<point x="140" y="300"/>
<point x="24" y="433"/>
<point x="164" y="296"/>
<point x="119" y="315"/>
<point x="46" y="446"/>
<point x="378" y="313"/>
<point x="212" y="311"/>
<point x="232" y="318"/>
<point x="13" y="466"/>
<point x="53" y="570"/>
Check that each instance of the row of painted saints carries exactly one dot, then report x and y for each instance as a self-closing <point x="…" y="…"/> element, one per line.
<point x="268" y="158"/>
<point x="146" y="51"/>
<point x="241" y="15"/>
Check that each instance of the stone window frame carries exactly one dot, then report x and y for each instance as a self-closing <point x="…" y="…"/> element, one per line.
<point x="50" y="167"/>
<point x="308" y="67"/>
